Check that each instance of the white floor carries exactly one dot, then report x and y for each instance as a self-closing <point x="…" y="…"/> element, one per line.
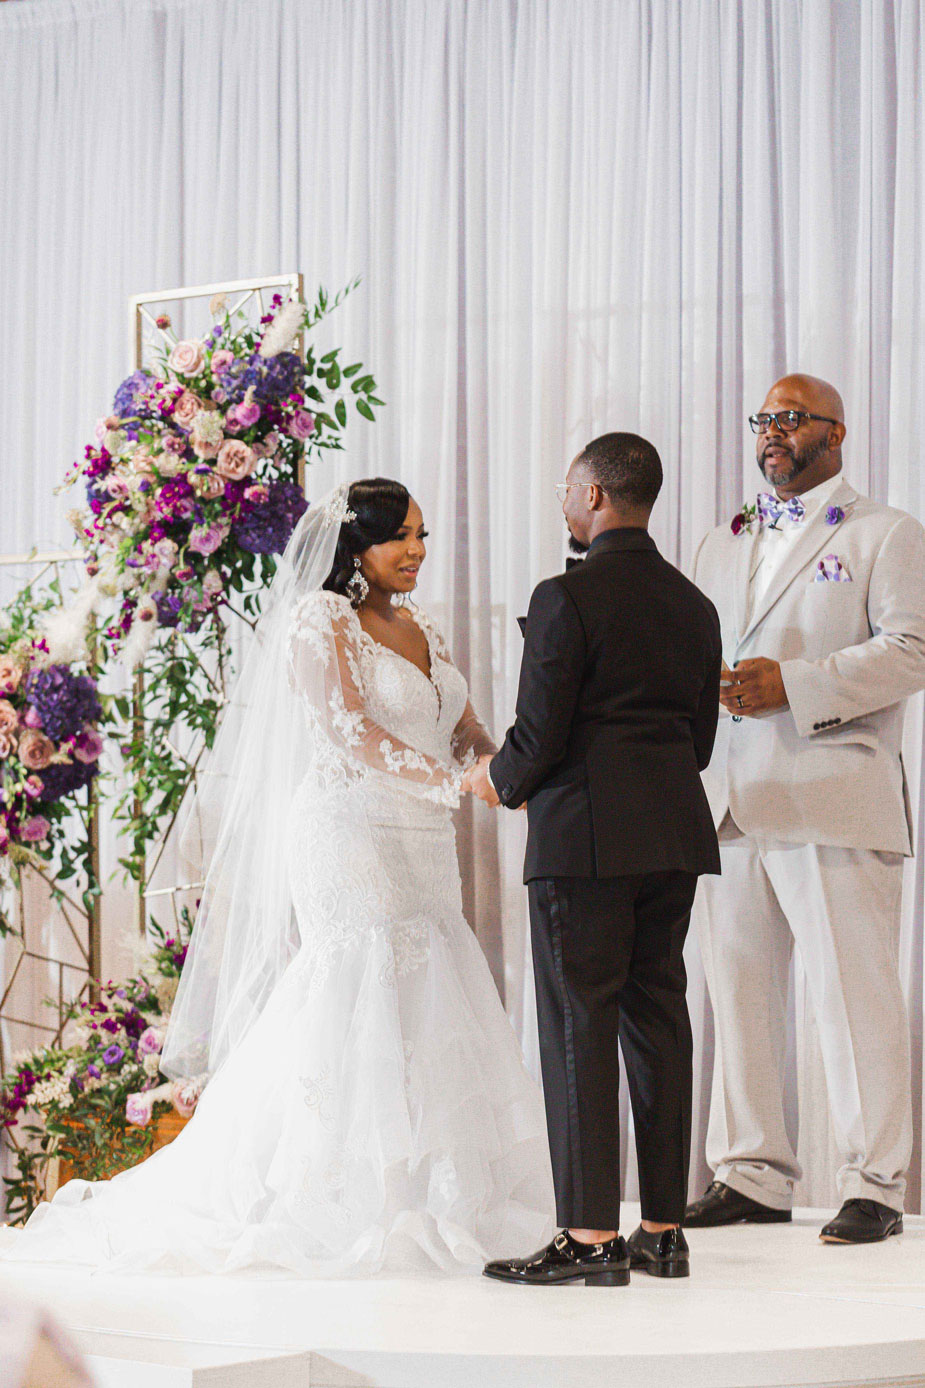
<point x="766" y="1305"/>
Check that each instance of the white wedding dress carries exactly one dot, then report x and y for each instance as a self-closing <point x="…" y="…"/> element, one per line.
<point x="377" y="1117"/>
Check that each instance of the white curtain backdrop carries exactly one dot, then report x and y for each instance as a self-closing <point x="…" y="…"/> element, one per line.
<point x="570" y="216"/>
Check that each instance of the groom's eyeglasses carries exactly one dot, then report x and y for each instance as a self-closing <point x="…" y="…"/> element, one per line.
<point x="562" y="488"/>
<point x="785" y="420"/>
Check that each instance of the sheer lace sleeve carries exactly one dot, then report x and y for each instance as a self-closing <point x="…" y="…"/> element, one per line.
<point x="471" y="738"/>
<point x="325" y="669"/>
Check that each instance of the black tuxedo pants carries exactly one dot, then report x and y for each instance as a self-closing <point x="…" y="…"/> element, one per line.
<point x="607" y="956"/>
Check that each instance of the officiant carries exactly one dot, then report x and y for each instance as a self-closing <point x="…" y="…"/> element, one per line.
<point x="821" y="595"/>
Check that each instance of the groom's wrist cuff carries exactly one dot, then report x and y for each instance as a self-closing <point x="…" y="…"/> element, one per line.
<point x="504" y="788"/>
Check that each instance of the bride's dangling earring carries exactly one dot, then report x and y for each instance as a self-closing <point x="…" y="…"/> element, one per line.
<point x="357" y="588"/>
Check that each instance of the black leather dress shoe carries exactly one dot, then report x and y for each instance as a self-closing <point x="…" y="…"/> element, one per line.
<point x="660" y="1255"/>
<point x="723" y="1205"/>
<point x="862" y="1221"/>
<point x="567" y="1260"/>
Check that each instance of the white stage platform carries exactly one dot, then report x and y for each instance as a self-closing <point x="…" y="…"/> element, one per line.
<point x="766" y="1306"/>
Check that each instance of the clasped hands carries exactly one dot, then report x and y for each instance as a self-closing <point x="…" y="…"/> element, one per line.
<point x="753" y="688"/>
<point x="478" y="781"/>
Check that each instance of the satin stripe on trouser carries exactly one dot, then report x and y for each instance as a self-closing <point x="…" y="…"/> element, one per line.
<point x="609" y="976"/>
<point x="842" y="907"/>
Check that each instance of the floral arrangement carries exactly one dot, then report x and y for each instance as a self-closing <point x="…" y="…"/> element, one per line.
<point x="92" y="1097"/>
<point x="50" y="742"/>
<point x="191" y="479"/>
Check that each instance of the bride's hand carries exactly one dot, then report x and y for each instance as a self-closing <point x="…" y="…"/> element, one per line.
<point x="478" y="781"/>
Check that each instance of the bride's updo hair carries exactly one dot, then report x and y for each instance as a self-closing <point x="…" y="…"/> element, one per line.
<point x="380" y="506"/>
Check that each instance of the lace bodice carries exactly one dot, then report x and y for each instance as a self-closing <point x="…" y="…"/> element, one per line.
<point x="374" y="712"/>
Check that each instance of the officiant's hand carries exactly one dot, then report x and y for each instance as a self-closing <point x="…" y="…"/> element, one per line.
<point x="755" y="687"/>
<point x="479" y="782"/>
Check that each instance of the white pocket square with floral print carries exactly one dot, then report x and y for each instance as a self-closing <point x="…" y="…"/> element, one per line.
<point x="831" y="569"/>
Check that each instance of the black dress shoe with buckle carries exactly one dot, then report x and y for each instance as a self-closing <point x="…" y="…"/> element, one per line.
<point x="567" y="1260"/>
<point x="862" y="1221"/>
<point x="723" y="1205"/>
<point x="660" y="1255"/>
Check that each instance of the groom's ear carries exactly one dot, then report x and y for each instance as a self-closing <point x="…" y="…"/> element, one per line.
<point x="597" y="497"/>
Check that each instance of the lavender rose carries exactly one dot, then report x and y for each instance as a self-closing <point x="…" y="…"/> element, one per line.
<point x="302" y="424"/>
<point x="151" y="1041"/>
<point x="88" y="745"/>
<point x="187" y="358"/>
<point x="207" y="539"/>
<point x="35" y="829"/>
<point x="235" y="460"/>
<point x="35" y="750"/>
<point x="138" y="1110"/>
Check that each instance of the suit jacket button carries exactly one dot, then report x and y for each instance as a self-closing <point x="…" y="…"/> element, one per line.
<point x="836" y="720"/>
<point x="816" y="727"/>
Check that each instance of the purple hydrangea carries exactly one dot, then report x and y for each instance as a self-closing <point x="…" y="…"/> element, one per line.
<point x="64" y="779"/>
<point x="170" y="606"/>
<point x="266" y="526"/>
<point x="64" y="701"/>
<point x="270" y="378"/>
<point x="127" y="400"/>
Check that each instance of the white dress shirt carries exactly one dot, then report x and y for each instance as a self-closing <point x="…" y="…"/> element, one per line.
<point x="773" y="542"/>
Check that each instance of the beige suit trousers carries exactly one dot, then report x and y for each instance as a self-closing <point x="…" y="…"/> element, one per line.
<point x="841" y="906"/>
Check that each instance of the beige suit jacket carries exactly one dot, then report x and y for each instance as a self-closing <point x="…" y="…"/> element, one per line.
<point x="828" y="768"/>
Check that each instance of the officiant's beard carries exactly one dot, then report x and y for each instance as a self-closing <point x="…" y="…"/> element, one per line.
<point x="577" y="546"/>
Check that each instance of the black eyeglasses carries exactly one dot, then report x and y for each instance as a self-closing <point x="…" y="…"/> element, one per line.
<point x="785" y="420"/>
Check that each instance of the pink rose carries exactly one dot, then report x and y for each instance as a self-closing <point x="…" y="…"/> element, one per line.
<point x="206" y="539"/>
<point x="213" y="583"/>
<point x="301" y="424"/>
<point x="9" y="718"/>
<point x="187" y="358"/>
<point x="207" y="484"/>
<point x="235" y="460"/>
<point x="265" y="448"/>
<point x="10" y="675"/>
<point x="35" y="829"/>
<point x="185" y="1095"/>
<point x="138" y="1109"/>
<point x="246" y="414"/>
<point x="221" y="360"/>
<point x="116" y="486"/>
<point x="7" y="745"/>
<point x="186" y="410"/>
<point x="151" y="1041"/>
<point x="143" y="463"/>
<point x="257" y="493"/>
<point x="34" y="785"/>
<point x="31" y="718"/>
<point x="35" y="750"/>
<point x="88" y="745"/>
<point x="166" y="551"/>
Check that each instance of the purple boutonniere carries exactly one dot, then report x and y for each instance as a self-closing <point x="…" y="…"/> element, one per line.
<point x="744" y="520"/>
<point x="833" y="515"/>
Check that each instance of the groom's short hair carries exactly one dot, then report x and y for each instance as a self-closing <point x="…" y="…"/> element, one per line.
<point x="626" y="467"/>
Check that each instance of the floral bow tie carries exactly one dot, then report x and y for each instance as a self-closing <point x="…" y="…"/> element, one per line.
<point x="770" y="509"/>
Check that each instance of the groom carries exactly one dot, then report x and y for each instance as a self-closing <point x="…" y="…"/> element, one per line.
<point x="616" y="714"/>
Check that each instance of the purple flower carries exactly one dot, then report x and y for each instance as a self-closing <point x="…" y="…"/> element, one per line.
<point x="266" y="527"/>
<point x="129" y="396"/>
<point x="113" y="1054"/>
<point x="65" y="701"/>
<point x="737" y="523"/>
<point x="94" y="1071"/>
<point x="64" y="779"/>
<point x="110" y="1025"/>
<point x="833" y="515"/>
<point x="270" y="378"/>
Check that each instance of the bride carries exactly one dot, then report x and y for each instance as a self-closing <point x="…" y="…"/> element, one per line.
<point x="368" y="1109"/>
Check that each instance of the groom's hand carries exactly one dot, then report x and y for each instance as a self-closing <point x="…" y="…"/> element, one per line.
<point x="756" y="687"/>
<point x="479" y="782"/>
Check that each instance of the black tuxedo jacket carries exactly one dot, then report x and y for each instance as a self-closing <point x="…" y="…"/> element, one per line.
<point x="616" y="715"/>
